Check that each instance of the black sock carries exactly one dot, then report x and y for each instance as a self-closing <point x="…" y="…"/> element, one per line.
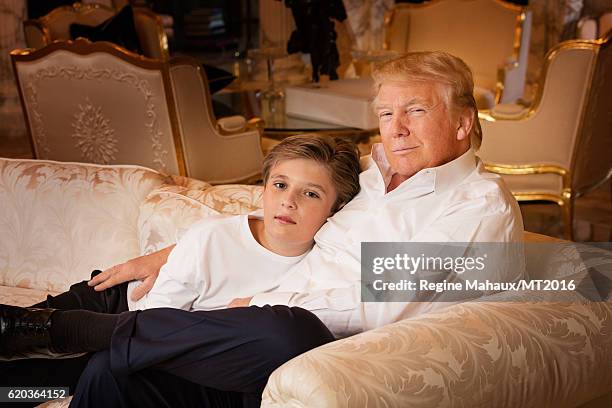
<point x="77" y="331"/>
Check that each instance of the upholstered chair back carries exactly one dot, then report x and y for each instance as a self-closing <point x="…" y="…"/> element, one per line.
<point x="561" y="143"/>
<point x="55" y="26"/>
<point x="92" y="102"/>
<point x="489" y="35"/>
<point x="213" y="150"/>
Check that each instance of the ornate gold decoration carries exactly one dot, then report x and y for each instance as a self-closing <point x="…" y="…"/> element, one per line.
<point x="95" y="138"/>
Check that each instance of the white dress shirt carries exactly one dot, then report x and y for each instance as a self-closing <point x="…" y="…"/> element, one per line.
<point x="456" y="202"/>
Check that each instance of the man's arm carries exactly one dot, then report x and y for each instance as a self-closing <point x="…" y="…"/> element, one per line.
<point x="145" y="268"/>
<point x="341" y="309"/>
<point x="338" y="308"/>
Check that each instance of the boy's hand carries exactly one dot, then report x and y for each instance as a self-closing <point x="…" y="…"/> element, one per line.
<point x="240" y="302"/>
<point x="145" y="268"/>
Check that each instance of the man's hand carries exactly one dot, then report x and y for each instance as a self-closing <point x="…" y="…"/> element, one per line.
<point x="240" y="302"/>
<point x="145" y="268"/>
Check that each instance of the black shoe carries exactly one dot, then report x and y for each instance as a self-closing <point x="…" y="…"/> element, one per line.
<point x="24" y="329"/>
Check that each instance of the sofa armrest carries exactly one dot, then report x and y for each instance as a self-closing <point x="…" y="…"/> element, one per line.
<point x="496" y="354"/>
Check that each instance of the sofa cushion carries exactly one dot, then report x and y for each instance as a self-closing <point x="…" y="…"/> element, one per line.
<point x="166" y="214"/>
<point x="233" y="198"/>
<point x="477" y="354"/>
<point x="59" y="221"/>
<point x="170" y="210"/>
<point x="22" y="296"/>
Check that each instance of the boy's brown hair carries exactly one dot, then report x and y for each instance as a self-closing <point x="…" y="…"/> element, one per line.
<point x="339" y="156"/>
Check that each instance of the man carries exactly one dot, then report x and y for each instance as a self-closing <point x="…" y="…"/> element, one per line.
<point x="422" y="184"/>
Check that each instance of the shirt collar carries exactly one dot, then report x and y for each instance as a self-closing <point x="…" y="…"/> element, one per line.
<point x="445" y="177"/>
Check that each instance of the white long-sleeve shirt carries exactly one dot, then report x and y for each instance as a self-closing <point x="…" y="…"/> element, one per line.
<point x="456" y="202"/>
<point x="215" y="261"/>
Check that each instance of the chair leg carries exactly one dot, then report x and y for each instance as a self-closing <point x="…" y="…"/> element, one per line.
<point x="567" y="210"/>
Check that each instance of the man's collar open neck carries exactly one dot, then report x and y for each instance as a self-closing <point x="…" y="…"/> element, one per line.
<point x="447" y="175"/>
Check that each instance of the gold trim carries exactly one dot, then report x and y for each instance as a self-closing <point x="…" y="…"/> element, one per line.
<point x="161" y="34"/>
<point x="517" y="44"/>
<point x="82" y="46"/>
<point x="565" y="200"/>
<point x="488" y="115"/>
<point x="44" y="30"/>
<point x="79" y="9"/>
<point x="525" y="169"/>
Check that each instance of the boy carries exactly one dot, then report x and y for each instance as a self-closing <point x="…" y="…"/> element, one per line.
<point x="306" y="179"/>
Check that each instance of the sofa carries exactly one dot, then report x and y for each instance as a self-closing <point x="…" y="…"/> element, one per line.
<point x="59" y="221"/>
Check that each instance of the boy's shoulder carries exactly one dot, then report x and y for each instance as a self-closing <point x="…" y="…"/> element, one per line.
<point x="214" y="224"/>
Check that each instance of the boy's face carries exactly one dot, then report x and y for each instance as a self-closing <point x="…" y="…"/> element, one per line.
<point x="298" y="197"/>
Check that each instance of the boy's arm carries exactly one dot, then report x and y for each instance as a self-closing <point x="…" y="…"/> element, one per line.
<point x="184" y="276"/>
<point x="145" y="268"/>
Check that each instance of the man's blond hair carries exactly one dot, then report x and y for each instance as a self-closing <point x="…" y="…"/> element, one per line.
<point x="439" y="67"/>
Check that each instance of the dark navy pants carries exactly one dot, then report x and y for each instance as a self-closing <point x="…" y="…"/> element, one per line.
<point x="174" y="358"/>
<point x="224" y="355"/>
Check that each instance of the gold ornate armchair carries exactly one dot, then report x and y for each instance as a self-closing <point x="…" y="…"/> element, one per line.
<point x="97" y="103"/>
<point x="559" y="148"/>
<point x="492" y="36"/>
<point x="56" y="26"/>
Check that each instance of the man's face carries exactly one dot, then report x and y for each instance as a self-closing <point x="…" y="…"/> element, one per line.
<point x="417" y="129"/>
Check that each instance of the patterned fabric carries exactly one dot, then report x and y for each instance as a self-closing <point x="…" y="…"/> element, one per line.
<point x="60" y="221"/>
<point x="166" y="214"/>
<point x="22" y="296"/>
<point x="170" y="210"/>
<point x="234" y="198"/>
<point x="481" y="354"/>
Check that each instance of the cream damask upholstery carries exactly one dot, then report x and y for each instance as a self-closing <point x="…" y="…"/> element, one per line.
<point x="491" y="36"/>
<point x="55" y="26"/>
<point x="559" y="147"/>
<point x="61" y="220"/>
<point x="93" y="102"/>
<point x="479" y="354"/>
